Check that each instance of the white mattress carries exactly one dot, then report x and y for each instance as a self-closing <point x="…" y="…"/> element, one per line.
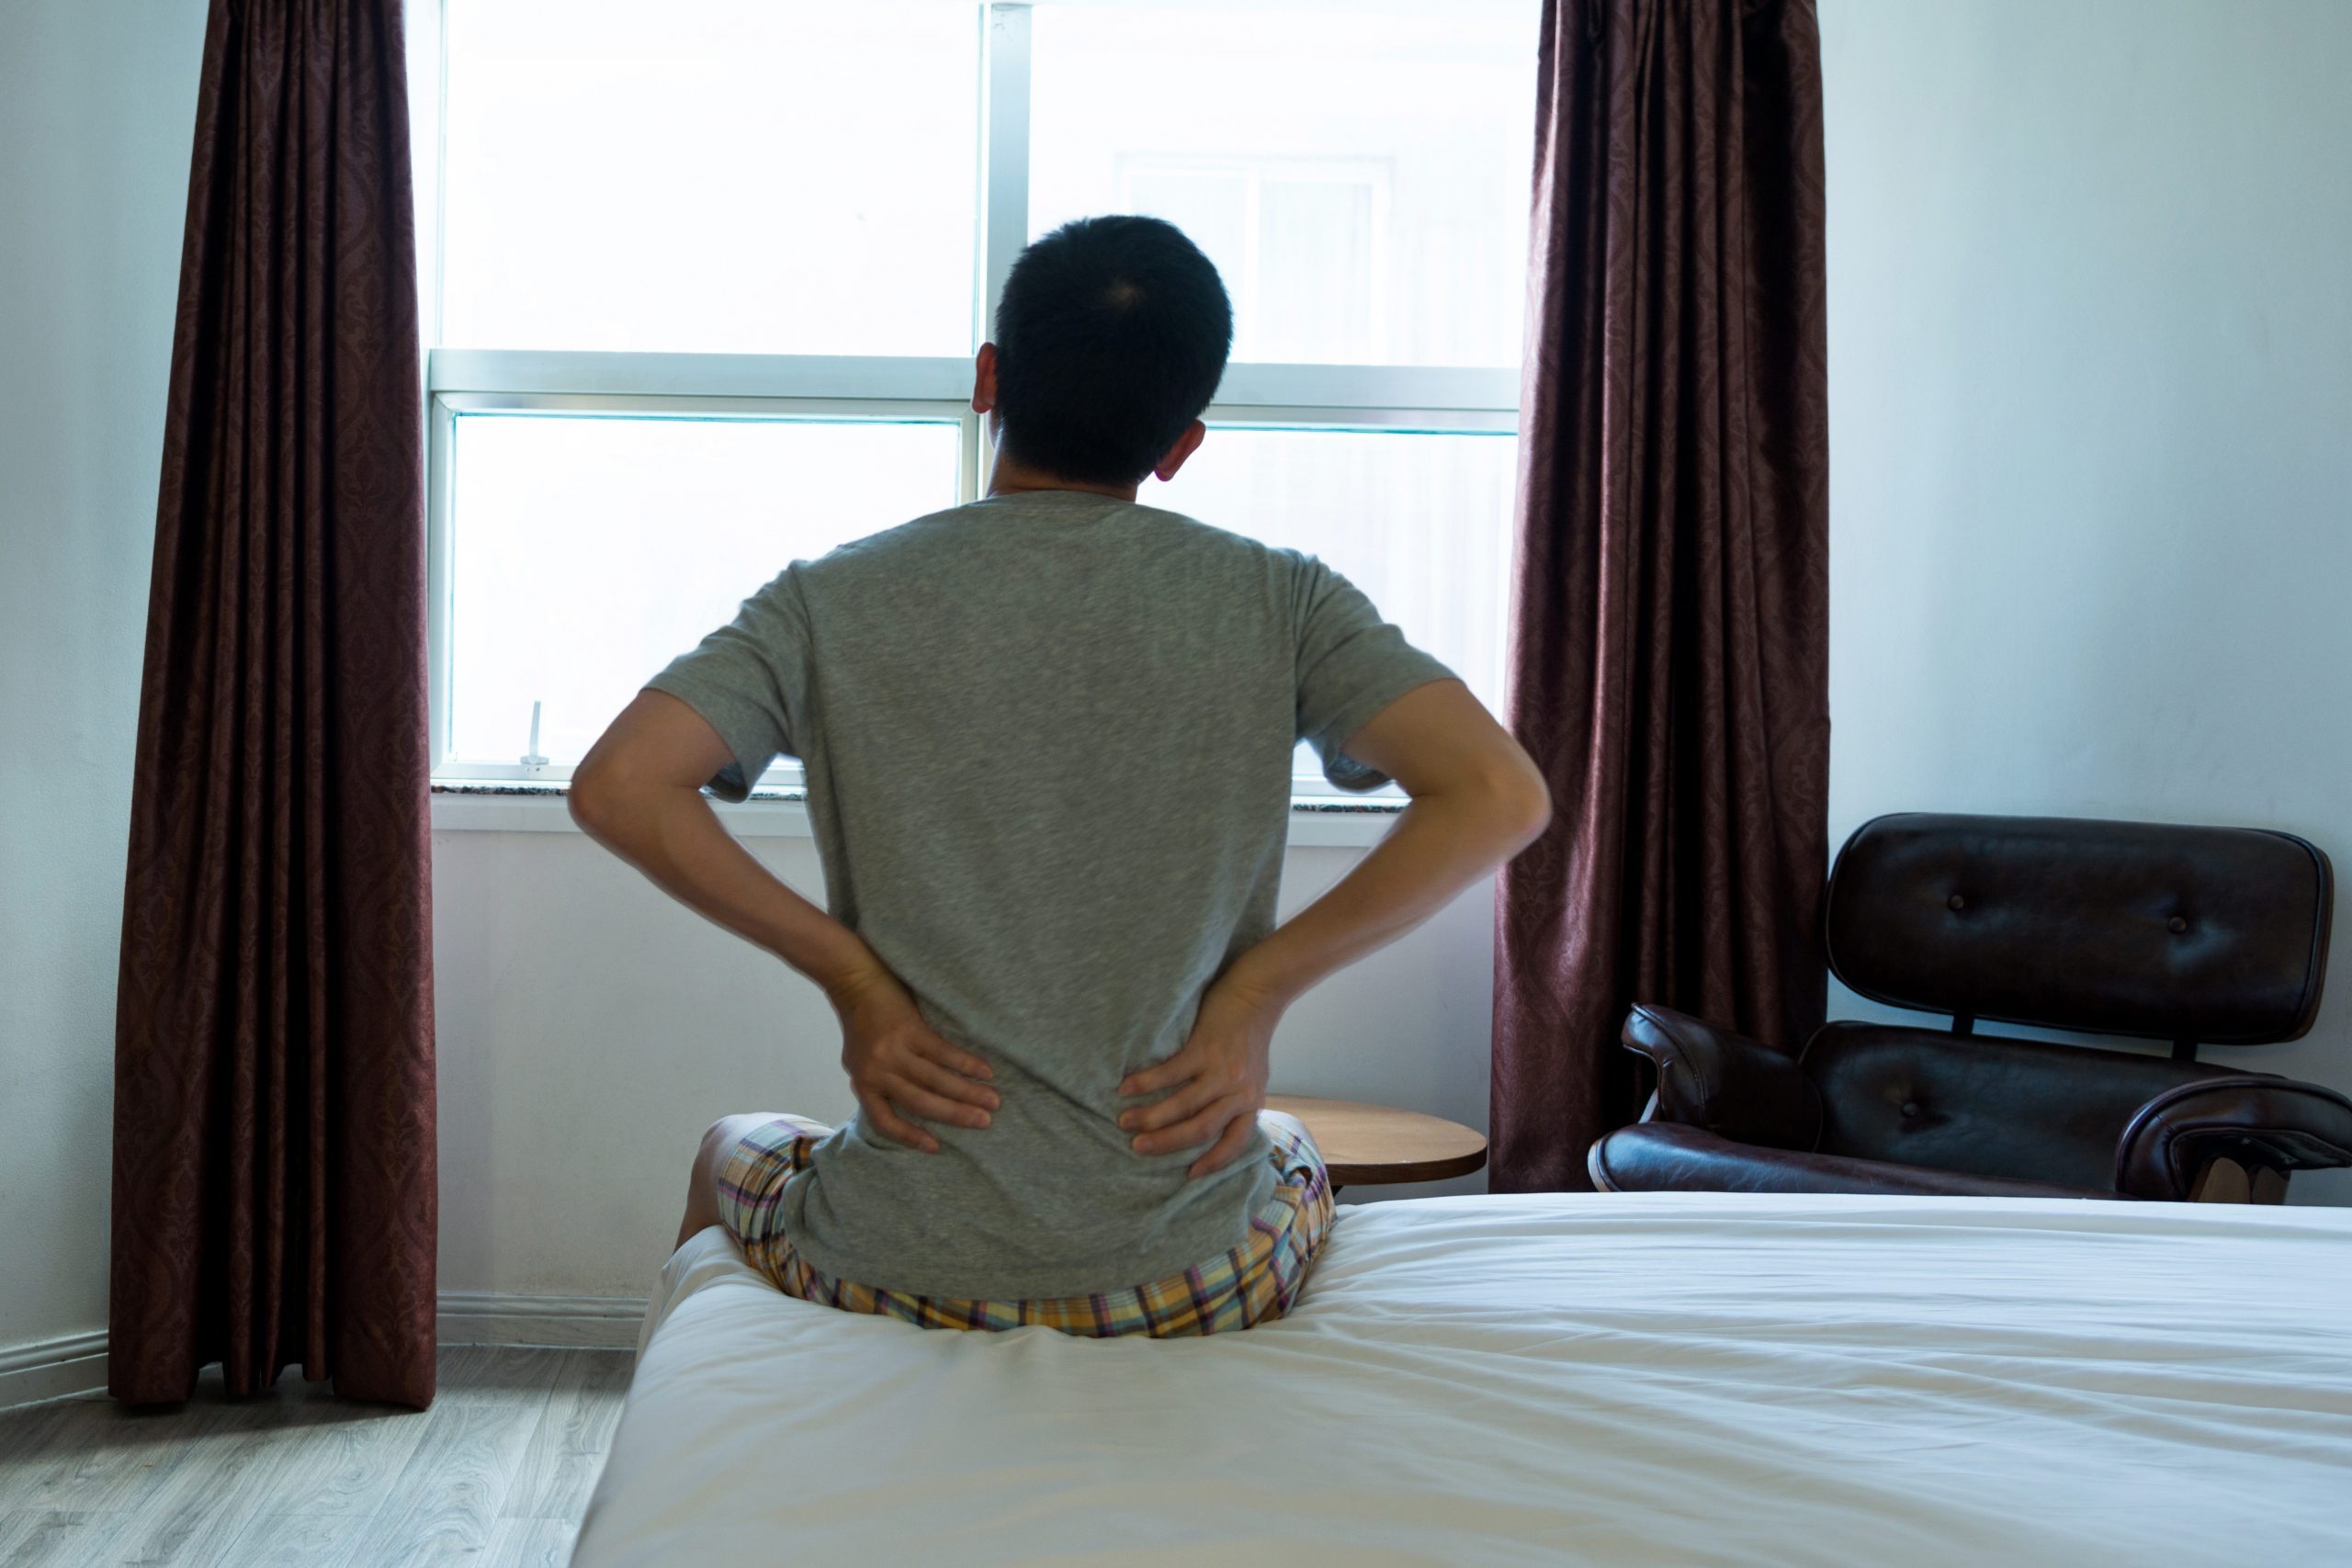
<point x="1630" y="1378"/>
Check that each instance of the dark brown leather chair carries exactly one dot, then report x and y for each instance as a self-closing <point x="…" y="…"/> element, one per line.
<point x="2201" y="936"/>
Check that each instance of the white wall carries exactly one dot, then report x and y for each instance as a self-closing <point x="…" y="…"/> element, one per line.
<point x="97" y="100"/>
<point x="2091" y="322"/>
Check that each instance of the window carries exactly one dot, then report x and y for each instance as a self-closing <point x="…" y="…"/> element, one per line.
<point x="1419" y="520"/>
<point x="566" y="584"/>
<point x="725" y="176"/>
<point x="706" y="277"/>
<point x="1360" y="179"/>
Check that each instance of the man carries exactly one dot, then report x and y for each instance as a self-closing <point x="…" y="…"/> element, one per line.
<point x="1048" y="741"/>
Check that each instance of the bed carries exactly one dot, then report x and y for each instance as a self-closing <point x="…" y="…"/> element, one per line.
<point x="1686" y="1378"/>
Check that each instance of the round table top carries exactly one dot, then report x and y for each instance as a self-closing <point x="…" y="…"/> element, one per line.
<point x="1364" y="1144"/>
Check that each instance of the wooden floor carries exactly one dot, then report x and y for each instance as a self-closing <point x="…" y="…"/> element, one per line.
<point x="496" y="1474"/>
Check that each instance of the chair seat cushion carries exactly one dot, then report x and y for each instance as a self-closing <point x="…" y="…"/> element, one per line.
<point x="1988" y="1105"/>
<point x="1654" y="1157"/>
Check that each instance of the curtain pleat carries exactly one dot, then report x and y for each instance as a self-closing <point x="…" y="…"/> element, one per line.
<point x="1669" y="652"/>
<point x="274" y="1167"/>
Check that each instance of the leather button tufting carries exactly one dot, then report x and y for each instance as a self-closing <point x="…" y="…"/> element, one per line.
<point x="2177" y="924"/>
<point x="1910" y="1109"/>
<point x="1955" y="903"/>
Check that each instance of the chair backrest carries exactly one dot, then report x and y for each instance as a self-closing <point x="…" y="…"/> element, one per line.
<point x="2211" y="935"/>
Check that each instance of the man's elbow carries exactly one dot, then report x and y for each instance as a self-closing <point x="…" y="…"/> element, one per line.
<point x="598" y="795"/>
<point x="1526" y="805"/>
<point x="1519" y="802"/>
<point x="1500" y="796"/>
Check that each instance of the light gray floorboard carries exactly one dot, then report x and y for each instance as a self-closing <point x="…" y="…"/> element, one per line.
<point x="232" y="1472"/>
<point x="497" y="1473"/>
<point x="346" y="1467"/>
<point x="100" y="1459"/>
<point x="567" y="1451"/>
<point x="39" y="1537"/>
<point x="303" y="1540"/>
<point x="531" y="1543"/>
<point x="449" y="1493"/>
<point x="22" y="1433"/>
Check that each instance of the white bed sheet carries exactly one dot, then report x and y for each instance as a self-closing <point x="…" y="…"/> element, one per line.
<point x="1627" y="1378"/>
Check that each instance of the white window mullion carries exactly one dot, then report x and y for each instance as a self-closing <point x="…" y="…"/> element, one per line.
<point x="1004" y="186"/>
<point x="940" y="410"/>
<point x="1461" y="389"/>
<point x="440" y="480"/>
<point x="1004" y="154"/>
<point x="897" y="378"/>
<point x="1395" y="422"/>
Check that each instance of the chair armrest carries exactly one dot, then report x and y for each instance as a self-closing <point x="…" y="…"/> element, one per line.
<point x="1726" y="1082"/>
<point x="2257" y="1119"/>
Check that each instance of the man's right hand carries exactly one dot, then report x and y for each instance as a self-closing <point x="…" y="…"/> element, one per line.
<point x="1216" y="1085"/>
<point x="900" y="1067"/>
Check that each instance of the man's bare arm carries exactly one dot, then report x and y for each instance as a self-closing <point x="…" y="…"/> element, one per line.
<point x="1476" y="800"/>
<point x="638" y="792"/>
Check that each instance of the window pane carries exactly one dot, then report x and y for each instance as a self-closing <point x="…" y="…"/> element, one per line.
<point x="588" y="552"/>
<point x="1421" y="523"/>
<point x="711" y="175"/>
<point x="1360" y="179"/>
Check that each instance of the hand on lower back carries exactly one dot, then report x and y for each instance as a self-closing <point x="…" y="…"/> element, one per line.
<point x="1213" y="1087"/>
<point x="900" y="1067"/>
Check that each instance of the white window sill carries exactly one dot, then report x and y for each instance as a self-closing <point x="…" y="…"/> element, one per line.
<point x="1315" y="821"/>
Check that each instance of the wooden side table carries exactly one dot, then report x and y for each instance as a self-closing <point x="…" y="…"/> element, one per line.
<point x="1369" y="1144"/>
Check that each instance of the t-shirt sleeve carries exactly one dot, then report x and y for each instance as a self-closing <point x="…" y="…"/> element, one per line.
<point x="1352" y="664"/>
<point x="750" y="680"/>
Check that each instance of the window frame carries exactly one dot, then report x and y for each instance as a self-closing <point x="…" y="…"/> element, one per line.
<point x="1397" y="399"/>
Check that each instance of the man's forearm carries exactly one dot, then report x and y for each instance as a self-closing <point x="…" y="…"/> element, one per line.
<point x="675" y="838"/>
<point x="1439" y="845"/>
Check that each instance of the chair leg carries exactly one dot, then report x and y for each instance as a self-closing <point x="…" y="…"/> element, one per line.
<point x="2222" y="1180"/>
<point x="2269" y="1185"/>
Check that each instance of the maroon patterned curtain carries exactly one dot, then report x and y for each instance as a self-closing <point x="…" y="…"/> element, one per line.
<point x="274" y="1184"/>
<point x="1670" y="657"/>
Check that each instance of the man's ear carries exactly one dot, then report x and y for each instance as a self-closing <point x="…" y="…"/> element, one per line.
<point x="984" y="379"/>
<point x="1186" y="445"/>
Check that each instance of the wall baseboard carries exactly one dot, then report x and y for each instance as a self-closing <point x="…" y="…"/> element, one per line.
<point x="71" y="1364"/>
<point x="53" y="1369"/>
<point x="493" y="1318"/>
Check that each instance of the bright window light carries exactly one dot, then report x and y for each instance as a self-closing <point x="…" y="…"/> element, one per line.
<point x="596" y="548"/>
<point x="1420" y="522"/>
<point x="729" y="176"/>
<point x="1360" y="178"/>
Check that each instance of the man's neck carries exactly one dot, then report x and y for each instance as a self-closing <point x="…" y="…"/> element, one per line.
<point x="1010" y="477"/>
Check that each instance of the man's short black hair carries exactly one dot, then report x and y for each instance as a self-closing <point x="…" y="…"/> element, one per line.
<point x="1111" y="338"/>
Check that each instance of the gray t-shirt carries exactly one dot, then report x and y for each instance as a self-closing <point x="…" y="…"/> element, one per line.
<point x="1048" y="743"/>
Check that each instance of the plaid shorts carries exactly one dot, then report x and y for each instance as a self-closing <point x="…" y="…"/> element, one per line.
<point x="1254" y="1283"/>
